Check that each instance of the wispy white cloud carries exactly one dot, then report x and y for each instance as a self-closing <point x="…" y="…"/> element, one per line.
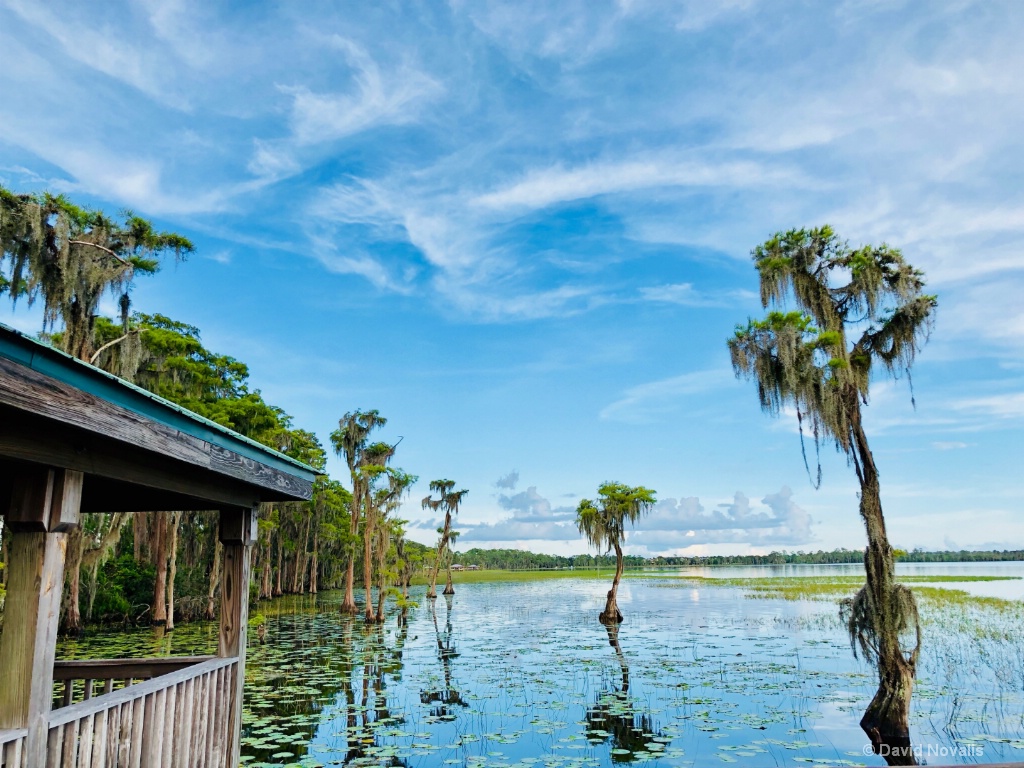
<point x="1006" y="406"/>
<point x="379" y="98"/>
<point x="688" y="296"/>
<point x="645" y="402"/>
<point x="558" y="184"/>
<point x="98" y="41"/>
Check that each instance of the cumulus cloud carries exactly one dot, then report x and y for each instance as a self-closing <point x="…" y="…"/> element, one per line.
<point x="533" y="518"/>
<point x="509" y="481"/>
<point x="679" y="523"/>
<point x="673" y="524"/>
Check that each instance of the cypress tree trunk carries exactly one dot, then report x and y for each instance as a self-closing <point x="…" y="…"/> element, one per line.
<point x="3" y="556"/>
<point x="348" y="605"/>
<point x="280" y="555"/>
<point x="172" y="554"/>
<point x="265" y="583"/>
<point x="887" y="718"/>
<point x="301" y="559"/>
<point x="211" y="608"/>
<point x="449" y="588"/>
<point x="160" y="563"/>
<point x="611" y="614"/>
<point x="315" y="565"/>
<point x="382" y="595"/>
<point x="368" y="612"/>
<point x="432" y="592"/>
<point x="139" y="537"/>
<point x="94" y="575"/>
<point x="72" y="613"/>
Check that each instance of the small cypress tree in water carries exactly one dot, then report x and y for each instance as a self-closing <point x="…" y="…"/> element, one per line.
<point x="859" y="310"/>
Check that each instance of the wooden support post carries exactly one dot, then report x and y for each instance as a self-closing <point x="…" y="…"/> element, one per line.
<point x="238" y="534"/>
<point x="44" y="504"/>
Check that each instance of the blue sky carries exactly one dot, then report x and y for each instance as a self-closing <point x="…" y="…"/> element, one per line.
<point x="522" y="232"/>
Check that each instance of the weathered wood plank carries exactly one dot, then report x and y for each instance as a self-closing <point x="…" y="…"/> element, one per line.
<point x="119" y="478"/>
<point x="212" y="732"/>
<point x="113" y="732"/>
<point x="229" y="463"/>
<point x="170" y="724"/>
<point x="234" y="617"/>
<point x="54" y="747"/>
<point x="86" y="736"/>
<point x="124" y="735"/>
<point x="71" y="738"/>
<point x="150" y="748"/>
<point x="32" y="392"/>
<point x="99" y="738"/>
<point x="27" y="645"/>
<point x="139" y="707"/>
<point x="45" y="499"/>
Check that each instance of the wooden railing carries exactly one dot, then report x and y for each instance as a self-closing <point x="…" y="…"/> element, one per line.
<point x="12" y="745"/>
<point x="75" y="681"/>
<point x="179" y="719"/>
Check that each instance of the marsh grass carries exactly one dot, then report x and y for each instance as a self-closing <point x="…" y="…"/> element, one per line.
<point x="830" y="588"/>
<point x="487" y="576"/>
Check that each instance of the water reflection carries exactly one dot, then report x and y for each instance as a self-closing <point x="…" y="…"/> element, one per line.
<point x="446" y="697"/>
<point x="521" y="678"/>
<point x="614" y="719"/>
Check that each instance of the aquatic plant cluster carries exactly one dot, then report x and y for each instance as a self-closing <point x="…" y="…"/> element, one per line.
<point x="520" y="675"/>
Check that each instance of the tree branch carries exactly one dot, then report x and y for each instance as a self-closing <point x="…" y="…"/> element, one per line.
<point x="102" y="248"/>
<point x="96" y="354"/>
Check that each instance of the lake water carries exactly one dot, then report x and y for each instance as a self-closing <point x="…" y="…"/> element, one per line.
<point x="523" y="675"/>
<point x="1012" y="589"/>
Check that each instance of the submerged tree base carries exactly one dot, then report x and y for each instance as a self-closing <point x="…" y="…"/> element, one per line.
<point x="611" y="614"/>
<point x="886" y="720"/>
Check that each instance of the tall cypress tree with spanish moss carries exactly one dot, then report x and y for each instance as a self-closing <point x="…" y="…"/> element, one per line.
<point x="859" y="312"/>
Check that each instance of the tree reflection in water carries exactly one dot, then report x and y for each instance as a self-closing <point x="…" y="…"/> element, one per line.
<point x="378" y="661"/>
<point x="614" y="719"/>
<point x="448" y="696"/>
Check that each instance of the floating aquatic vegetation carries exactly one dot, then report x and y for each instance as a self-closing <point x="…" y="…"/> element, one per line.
<point x="703" y="678"/>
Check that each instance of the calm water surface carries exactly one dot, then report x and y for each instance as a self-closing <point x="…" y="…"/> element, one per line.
<point x="522" y="674"/>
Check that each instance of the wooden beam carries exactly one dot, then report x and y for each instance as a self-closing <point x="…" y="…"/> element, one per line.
<point x="234" y="613"/>
<point x="239" y="526"/>
<point x="45" y="499"/>
<point x="115" y="472"/>
<point x="30" y="392"/>
<point x="34" y="587"/>
<point x="123" y="669"/>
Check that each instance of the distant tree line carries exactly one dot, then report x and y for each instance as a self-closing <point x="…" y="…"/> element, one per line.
<point x="514" y="559"/>
<point x="521" y="560"/>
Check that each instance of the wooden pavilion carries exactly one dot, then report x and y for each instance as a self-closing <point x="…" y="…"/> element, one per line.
<point x="74" y="439"/>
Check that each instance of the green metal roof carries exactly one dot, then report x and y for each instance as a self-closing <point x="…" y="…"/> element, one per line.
<point x="40" y="357"/>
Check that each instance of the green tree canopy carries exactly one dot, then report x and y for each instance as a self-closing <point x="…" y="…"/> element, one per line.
<point x="69" y="256"/>
<point x="603" y="522"/>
